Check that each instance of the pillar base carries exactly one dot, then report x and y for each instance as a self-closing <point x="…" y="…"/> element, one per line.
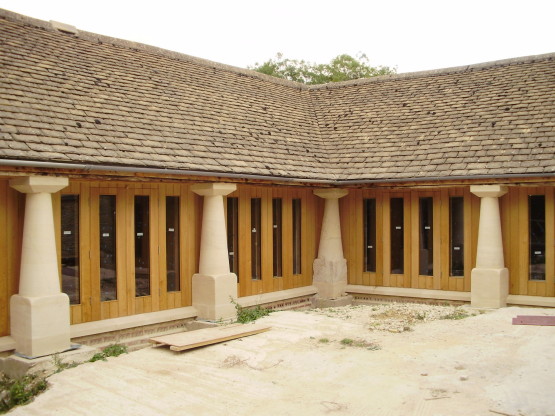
<point x="330" y="277"/>
<point x="489" y="288"/>
<point x="212" y="296"/>
<point x="40" y="325"/>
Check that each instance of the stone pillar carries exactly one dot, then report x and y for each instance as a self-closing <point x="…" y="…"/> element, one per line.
<point x="330" y="268"/>
<point x="213" y="285"/>
<point x="490" y="278"/>
<point x="39" y="313"/>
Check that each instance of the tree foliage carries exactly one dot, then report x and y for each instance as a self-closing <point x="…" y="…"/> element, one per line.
<point x="341" y="68"/>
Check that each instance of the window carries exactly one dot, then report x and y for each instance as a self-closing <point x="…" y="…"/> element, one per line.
<point x="256" y="238"/>
<point x="107" y="230"/>
<point x="172" y="243"/>
<point x="456" y="236"/>
<point x="536" y="230"/>
<point x="233" y="234"/>
<point x="369" y="235"/>
<point x="70" y="247"/>
<point x="277" y="236"/>
<point x="142" y="246"/>
<point x="397" y="236"/>
<point x="426" y="237"/>
<point x="297" y="236"/>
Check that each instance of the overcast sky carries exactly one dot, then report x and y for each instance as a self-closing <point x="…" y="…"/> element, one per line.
<point x="410" y="35"/>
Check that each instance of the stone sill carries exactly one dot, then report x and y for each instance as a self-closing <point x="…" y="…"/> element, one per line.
<point x="7" y="343"/>
<point x="521" y="300"/>
<point x="126" y="322"/>
<point x="409" y="292"/>
<point x="263" y="298"/>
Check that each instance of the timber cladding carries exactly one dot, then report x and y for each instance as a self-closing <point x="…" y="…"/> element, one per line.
<point x="84" y="278"/>
<point x="411" y="262"/>
<point x="311" y="212"/>
<point x="521" y="233"/>
<point x="12" y="206"/>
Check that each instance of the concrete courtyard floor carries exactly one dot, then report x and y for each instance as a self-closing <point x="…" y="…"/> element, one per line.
<point x="480" y="365"/>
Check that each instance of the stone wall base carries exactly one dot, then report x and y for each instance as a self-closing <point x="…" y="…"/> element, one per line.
<point x="318" y="302"/>
<point x="366" y="299"/>
<point x="137" y="338"/>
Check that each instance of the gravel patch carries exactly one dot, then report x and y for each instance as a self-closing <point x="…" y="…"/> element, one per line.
<point x="395" y="317"/>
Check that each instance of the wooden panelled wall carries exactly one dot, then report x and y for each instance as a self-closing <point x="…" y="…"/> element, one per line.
<point x="514" y="214"/>
<point x="12" y="206"/>
<point x="353" y="238"/>
<point x="515" y="223"/>
<point x="311" y="219"/>
<point x="91" y="308"/>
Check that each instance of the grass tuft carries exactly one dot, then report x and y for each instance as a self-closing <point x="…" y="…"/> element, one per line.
<point x="113" y="350"/>
<point x="18" y="391"/>
<point x="245" y="315"/>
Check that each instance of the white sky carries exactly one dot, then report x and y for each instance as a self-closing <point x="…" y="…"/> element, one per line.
<point x="411" y="35"/>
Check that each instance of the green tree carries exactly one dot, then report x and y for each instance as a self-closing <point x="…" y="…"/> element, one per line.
<point x="341" y="68"/>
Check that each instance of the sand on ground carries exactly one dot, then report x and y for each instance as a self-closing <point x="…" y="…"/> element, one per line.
<point x="362" y="360"/>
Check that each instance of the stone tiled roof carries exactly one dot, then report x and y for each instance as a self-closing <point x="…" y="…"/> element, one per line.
<point x="88" y="99"/>
<point x="491" y="119"/>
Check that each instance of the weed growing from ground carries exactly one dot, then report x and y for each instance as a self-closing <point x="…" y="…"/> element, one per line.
<point x="323" y="340"/>
<point x="15" y="392"/>
<point x="457" y="313"/>
<point x="245" y="315"/>
<point x="346" y="341"/>
<point x="114" y="350"/>
<point x="60" y="365"/>
<point x="359" y="343"/>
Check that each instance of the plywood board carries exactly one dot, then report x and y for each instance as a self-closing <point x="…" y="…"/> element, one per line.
<point x="207" y="336"/>
<point x="534" y="320"/>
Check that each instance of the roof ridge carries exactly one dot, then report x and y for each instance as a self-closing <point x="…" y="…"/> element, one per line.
<point x="95" y="37"/>
<point x="440" y="71"/>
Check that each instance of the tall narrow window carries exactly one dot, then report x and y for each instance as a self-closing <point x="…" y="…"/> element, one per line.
<point x="276" y="236"/>
<point x="536" y="215"/>
<point x="70" y="247"/>
<point x="256" y="238"/>
<point x="142" y="246"/>
<point x="107" y="221"/>
<point x="233" y="234"/>
<point x="369" y="235"/>
<point x="172" y="243"/>
<point x="456" y="236"/>
<point x="397" y="236"/>
<point x="297" y="244"/>
<point x="426" y="237"/>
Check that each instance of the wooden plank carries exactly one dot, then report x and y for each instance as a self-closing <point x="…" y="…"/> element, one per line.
<point x="208" y="336"/>
<point x="4" y="260"/>
<point x="412" y="267"/>
<point x="379" y="239"/>
<point x="541" y="320"/>
<point x="550" y="239"/>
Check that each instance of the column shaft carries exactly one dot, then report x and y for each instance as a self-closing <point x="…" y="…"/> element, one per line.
<point x="39" y="313"/>
<point x="330" y="268"/>
<point x="214" y="285"/>
<point x="490" y="278"/>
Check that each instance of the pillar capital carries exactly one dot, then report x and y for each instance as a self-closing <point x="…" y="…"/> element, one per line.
<point x="213" y="189"/>
<point x="332" y="193"/>
<point x="39" y="184"/>
<point x="491" y="191"/>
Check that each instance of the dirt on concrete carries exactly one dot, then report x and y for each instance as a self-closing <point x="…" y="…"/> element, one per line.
<point x="395" y="359"/>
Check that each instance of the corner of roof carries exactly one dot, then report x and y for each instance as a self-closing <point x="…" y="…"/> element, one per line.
<point x="434" y="72"/>
<point x="54" y="26"/>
